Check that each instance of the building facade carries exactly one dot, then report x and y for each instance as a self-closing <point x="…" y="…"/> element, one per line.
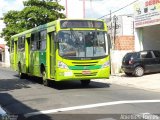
<point x="4" y="49"/>
<point x="121" y="30"/>
<point x="147" y="25"/>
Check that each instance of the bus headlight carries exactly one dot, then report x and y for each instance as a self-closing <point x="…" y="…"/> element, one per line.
<point x="62" y="65"/>
<point x="106" y="64"/>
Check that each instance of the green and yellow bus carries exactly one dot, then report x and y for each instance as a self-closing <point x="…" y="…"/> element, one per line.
<point x="65" y="49"/>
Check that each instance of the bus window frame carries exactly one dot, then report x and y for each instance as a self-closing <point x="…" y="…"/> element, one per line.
<point x="12" y="46"/>
<point x="43" y="38"/>
<point x="21" y="43"/>
<point x="36" y="40"/>
<point x="33" y="42"/>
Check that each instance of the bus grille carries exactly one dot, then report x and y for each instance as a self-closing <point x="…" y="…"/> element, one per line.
<point x="85" y="63"/>
<point x="81" y="75"/>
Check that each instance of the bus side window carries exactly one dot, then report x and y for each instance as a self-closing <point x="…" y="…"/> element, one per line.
<point x="21" y="43"/>
<point x="37" y="40"/>
<point x="33" y="42"/>
<point x="43" y="38"/>
<point x="12" y="46"/>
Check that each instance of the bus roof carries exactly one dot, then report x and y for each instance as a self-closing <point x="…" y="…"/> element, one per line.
<point x="35" y="29"/>
<point x="41" y="27"/>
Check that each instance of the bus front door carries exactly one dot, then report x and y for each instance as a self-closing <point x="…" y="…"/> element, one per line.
<point x="28" y="56"/>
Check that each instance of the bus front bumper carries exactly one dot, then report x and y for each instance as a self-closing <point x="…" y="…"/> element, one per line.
<point x="82" y="74"/>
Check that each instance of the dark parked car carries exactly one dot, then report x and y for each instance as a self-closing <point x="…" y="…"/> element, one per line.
<point x="138" y="63"/>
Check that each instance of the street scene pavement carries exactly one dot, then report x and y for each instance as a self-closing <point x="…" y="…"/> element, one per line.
<point x="73" y="42"/>
<point x="28" y="99"/>
<point x="149" y="82"/>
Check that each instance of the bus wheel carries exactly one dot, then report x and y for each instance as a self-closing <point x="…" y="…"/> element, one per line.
<point x="20" y="74"/>
<point x="85" y="82"/>
<point x="44" y="79"/>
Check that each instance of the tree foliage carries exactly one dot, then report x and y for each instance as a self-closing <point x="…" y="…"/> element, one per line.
<point x="35" y="13"/>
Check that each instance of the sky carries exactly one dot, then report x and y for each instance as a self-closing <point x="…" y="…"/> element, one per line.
<point x="93" y="8"/>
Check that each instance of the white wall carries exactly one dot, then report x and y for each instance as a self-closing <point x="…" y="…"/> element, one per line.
<point x="127" y="25"/>
<point x="116" y="60"/>
<point x="5" y="54"/>
<point x="138" y="39"/>
<point x="2" y="41"/>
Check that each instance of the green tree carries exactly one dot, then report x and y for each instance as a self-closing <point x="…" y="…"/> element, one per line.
<point x="35" y="13"/>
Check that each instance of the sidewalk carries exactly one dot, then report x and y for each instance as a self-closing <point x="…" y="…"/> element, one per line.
<point x="2" y="64"/>
<point x="149" y="82"/>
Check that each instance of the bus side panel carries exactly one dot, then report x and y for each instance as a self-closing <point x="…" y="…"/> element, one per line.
<point x="34" y="63"/>
<point x="12" y="60"/>
<point x="15" y="56"/>
<point x="48" y="57"/>
<point x="52" y="56"/>
<point x="12" y="54"/>
<point x="27" y="49"/>
<point x="42" y="58"/>
<point x="21" y="60"/>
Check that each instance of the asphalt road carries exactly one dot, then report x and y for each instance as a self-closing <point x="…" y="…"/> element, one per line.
<point x="30" y="100"/>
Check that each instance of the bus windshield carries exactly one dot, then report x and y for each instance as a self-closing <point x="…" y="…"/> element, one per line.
<point x="82" y="44"/>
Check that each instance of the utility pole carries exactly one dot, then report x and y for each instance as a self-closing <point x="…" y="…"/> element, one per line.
<point x="84" y="6"/>
<point x="66" y="8"/>
<point x="114" y="35"/>
<point x="84" y="9"/>
<point x="111" y="34"/>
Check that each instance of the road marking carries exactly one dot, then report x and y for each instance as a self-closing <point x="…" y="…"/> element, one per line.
<point x="89" y="106"/>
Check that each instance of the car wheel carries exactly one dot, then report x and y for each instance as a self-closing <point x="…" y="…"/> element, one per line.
<point x="128" y="74"/>
<point x="139" y="71"/>
<point x="46" y="82"/>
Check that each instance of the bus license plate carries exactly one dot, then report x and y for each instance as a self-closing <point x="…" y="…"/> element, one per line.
<point x="86" y="72"/>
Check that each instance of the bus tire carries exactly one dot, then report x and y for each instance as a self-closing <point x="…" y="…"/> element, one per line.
<point x="20" y="74"/>
<point x="85" y="83"/>
<point x="44" y="79"/>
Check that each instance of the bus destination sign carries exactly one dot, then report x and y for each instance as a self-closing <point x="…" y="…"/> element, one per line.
<point x="81" y="24"/>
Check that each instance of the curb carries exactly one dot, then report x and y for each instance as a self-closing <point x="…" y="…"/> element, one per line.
<point x="144" y="82"/>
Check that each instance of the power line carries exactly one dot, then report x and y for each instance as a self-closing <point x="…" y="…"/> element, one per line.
<point x="118" y="9"/>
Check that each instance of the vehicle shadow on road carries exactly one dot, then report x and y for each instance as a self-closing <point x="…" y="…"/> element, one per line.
<point x="12" y="84"/>
<point x="60" y="85"/>
<point x="16" y="110"/>
<point x="64" y="85"/>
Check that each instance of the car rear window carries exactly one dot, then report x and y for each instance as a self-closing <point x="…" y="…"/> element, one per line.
<point x="156" y="53"/>
<point x="146" y="54"/>
<point x="128" y="56"/>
